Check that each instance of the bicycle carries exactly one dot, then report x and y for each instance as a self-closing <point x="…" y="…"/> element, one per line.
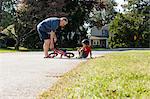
<point x="62" y="52"/>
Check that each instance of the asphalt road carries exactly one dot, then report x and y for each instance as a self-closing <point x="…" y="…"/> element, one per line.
<point x="24" y="75"/>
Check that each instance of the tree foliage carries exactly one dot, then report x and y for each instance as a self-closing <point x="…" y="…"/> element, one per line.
<point x="131" y="29"/>
<point x="77" y="11"/>
<point x="6" y="13"/>
<point x="28" y="13"/>
<point x="100" y="17"/>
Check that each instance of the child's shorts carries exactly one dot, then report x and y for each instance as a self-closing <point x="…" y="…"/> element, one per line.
<point x="82" y="54"/>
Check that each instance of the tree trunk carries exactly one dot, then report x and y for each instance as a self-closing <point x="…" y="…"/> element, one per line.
<point x="17" y="44"/>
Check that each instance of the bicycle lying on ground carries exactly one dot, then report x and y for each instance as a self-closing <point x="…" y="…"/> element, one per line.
<point x="62" y="52"/>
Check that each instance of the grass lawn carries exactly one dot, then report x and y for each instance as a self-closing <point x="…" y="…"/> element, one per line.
<point x="115" y="76"/>
<point x="98" y="49"/>
<point x="2" y="50"/>
<point x="21" y="49"/>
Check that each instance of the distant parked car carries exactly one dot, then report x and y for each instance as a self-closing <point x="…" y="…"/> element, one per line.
<point x="2" y="34"/>
<point x="6" y="41"/>
<point x="2" y="40"/>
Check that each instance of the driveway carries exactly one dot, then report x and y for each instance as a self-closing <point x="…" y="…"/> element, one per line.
<point x="24" y="75"/>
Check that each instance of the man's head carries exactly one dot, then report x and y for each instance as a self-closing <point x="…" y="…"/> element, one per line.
<point x="63" y="21"/>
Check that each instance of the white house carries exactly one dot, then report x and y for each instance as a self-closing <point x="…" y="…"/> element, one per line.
<point x="99" y="37"/>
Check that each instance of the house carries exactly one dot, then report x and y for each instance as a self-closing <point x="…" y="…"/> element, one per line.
<point x="99" y="37"/>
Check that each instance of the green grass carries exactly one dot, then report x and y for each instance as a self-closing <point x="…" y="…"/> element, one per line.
<point x="21" y="49"/>
<point x="4" y="50"/>
<point x="115" y="76"/>
<point x="99" y="49"/>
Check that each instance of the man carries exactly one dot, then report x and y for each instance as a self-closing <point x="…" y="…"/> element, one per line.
<point x="47" y="29"/>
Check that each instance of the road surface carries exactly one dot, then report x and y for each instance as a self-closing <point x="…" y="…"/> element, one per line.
<point x="24" y="75"/>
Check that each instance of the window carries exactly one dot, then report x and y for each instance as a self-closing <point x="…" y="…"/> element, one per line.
<point x="98" y="42"/>
<point x="94" y="43"/>
<point x="104" y="32"/>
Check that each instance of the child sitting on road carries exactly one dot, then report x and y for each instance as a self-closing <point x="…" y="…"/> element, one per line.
<point x="85" y="50"/>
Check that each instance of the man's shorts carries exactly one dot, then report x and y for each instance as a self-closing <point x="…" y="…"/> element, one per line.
<point x="43" y="35"/>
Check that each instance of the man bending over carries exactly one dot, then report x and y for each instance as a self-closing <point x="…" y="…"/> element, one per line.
<point x="47" y="29"/>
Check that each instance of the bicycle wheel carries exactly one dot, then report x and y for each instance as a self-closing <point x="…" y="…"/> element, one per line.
<point x="52" y="55"/>
<point x="69" y="55"/>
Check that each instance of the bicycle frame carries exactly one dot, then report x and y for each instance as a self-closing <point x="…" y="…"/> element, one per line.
<point x="59" y="51"/>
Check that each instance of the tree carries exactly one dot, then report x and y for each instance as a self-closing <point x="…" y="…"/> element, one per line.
<point x="76" y="10"/>
<point x="37" y="10"/>
<point x="6" y="13"/>
<point x="17" y="18"/>
<point x="131" y="29"/>
<point x="28" y="13"/>
<point x="6" y="20"/>
<point x="79" y="13"/>
<point x="1" y="10"/>
<point x="100" y="17"/>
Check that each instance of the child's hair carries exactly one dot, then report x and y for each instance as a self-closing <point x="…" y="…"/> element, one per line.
<point x="85" y="41"/>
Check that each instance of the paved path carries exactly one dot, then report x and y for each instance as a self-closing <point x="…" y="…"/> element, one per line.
<point x="23" y="75"/>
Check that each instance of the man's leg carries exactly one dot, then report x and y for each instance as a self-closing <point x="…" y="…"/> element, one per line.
<point x="46" y="38"/>
<point x="53" y="39"/>
<point x="46" y="46"/>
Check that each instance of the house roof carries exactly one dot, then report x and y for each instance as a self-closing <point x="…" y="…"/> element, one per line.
<point x="97" y="38"/>
<point x="94" y="38"/>
<point x="103" y="32"/>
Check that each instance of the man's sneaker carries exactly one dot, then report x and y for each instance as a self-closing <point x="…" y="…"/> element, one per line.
<point x="47" y="56"/>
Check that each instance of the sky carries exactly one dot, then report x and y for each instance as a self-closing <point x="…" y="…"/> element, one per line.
<point x="119" y="2"/>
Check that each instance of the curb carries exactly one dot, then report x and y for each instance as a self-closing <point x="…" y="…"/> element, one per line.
<point x="124" y="49"/>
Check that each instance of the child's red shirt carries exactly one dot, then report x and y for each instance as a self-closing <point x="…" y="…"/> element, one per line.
<point x="87" y="50"/>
